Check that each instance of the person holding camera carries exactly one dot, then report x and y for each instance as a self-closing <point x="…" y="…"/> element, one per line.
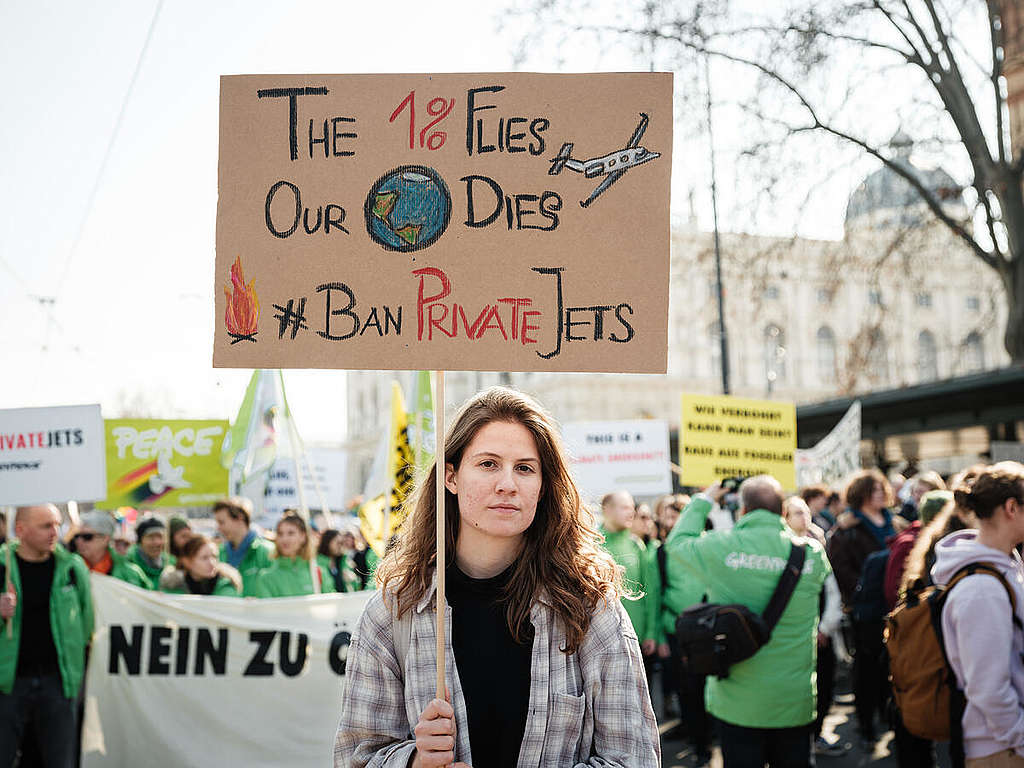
<point x="765" y="703"/>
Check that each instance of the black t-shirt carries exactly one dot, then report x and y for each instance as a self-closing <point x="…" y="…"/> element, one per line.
<point x="201" y="586"/>
<point x="493" y="668"/>
<point x="37" y="655"/>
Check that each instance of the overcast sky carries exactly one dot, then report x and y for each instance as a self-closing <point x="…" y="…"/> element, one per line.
<point x="109" y="298"/>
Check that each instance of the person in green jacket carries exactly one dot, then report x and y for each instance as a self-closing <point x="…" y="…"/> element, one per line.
<point x="93" y="544"/>
<point x="291" y="573"/>
<point x="200" y="572"/>
<point x="639" y="577"/>
<point x="242" y="549"/>
<point x="46" y="605"/>
<point x="149" y="552"/>
<point x="766" y="705"/>
<point x="331" y="555"/>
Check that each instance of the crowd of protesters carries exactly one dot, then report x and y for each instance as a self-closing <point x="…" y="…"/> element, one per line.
<point x="867" y="546"/>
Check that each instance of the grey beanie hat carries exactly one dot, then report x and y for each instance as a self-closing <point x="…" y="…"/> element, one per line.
<point x="99" y="522"/>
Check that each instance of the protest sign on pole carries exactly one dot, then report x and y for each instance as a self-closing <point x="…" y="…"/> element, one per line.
<point x="500" y="221"/>
<point x="164" y="463"/>
<point x="619" y="455"/>
<point x="51" y="455"/>
<point x="192" y="679"/>
<point x="326" y="471"/>
<point x="836" y="456"/>
<point x="722" y="436"/>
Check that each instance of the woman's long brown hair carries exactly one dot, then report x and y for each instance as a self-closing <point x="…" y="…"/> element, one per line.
<point x="561" y="557"/>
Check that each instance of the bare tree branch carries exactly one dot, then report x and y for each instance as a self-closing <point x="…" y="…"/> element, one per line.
<point x="995" y="30"/>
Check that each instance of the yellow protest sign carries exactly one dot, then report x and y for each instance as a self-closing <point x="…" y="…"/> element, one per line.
<point x="722" y="436"/>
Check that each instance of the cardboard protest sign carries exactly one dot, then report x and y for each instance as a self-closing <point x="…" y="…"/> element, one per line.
<point x="619" y="455"/>
<point x="460" y="222"/>
<point x="194" y="678"/>
<point x="159" y="463"/>
<point x="722" y="436"/>
<point x="836" y="456"/>
<point x="51" y="455"/>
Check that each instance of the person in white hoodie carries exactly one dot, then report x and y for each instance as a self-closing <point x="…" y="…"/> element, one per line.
<point x="984" y="641"/>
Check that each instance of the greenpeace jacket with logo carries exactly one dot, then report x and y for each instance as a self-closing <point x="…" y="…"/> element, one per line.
<point x="774" y="688"/>
<point x="71" y="620"/>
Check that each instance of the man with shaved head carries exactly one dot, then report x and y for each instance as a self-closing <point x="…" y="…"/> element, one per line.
<point x="766" y="704"/>
<point x="48" y="608"/>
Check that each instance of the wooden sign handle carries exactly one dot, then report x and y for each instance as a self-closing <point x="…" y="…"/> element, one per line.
<point x="440" y="524"/>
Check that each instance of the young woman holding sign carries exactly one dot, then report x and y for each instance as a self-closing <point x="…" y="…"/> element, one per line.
<point x="543" y="666"/>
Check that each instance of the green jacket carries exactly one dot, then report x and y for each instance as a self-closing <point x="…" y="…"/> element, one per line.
<point x="71" y="620"/>
<point x="256" y="558"/>
<point x="629" y="552"/>
<point x="125" y="570"/>
<point x="152" y="573"/>
<point x="350" y="581"/>
<point x="290" y="577"/>
<point x="775" y="687"/>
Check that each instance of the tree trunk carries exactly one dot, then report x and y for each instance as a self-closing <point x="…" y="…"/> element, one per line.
<point x="1013" y="279"/>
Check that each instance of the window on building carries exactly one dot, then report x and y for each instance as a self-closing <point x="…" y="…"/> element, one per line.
<point x="875" y="298"/>
<point x="923" y="299"/>
<point x="771" y="292"/>
<point x="974" y="353"/>
<point x="927" y="357"/>
<point x="774" y="354"/>
<point x="973" y="303"/>
<point x="826" y="346"/>
<point x="878" y="356"/>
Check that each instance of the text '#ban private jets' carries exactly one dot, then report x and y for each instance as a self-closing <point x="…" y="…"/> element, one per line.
<point x="612" y="166"/>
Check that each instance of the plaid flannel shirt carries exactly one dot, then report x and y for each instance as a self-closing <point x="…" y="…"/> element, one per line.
<point x="590" y="709"/>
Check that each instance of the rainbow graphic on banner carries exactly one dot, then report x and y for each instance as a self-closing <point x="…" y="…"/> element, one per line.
<point x="133" y="487"/>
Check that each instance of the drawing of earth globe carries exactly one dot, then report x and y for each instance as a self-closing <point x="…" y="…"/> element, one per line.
<point x="408" y="208"/>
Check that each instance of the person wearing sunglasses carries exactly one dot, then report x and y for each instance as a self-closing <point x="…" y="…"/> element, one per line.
<point x="93" y="542"/>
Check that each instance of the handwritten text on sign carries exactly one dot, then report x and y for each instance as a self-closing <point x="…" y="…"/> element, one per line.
<point x="487" y="222"/>
<point x="722" y="436"/>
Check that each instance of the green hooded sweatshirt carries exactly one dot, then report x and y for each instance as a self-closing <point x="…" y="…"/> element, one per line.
<point x="290" y="577"/>
<point x="152" y="571"/>
<point x="349" y="579"/>
<point x="640" y="577"/>
<point x="256" y="558"/>
<point x="71" y="620"/>
<point x="775" y="687"/>
<point x="127" y="571"/>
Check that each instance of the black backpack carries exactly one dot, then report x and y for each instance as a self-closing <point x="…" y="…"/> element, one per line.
<point x="713" y="637"/>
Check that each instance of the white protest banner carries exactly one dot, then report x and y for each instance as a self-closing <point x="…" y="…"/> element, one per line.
<point x="329" y="469"/>
<point x="183" y="680"/>
<point x="52" y="454"/>
<point x="615" y="455"/>
<point x="835" y="456"/>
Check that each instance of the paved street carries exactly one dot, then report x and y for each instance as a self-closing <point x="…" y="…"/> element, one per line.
<point x="840" y="723"/>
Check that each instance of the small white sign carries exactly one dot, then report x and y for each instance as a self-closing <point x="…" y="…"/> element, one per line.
<point x="619" y="455"/>
<point x="283" y="491"/>
<point x="52" y="455"/>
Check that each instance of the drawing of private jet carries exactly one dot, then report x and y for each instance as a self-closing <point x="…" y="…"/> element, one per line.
<point x="612" y="165"/>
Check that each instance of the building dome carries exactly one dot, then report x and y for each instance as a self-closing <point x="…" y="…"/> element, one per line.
<point x="886" y="199"/>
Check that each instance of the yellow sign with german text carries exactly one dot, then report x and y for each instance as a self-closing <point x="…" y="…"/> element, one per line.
<point x="722" y="436"/>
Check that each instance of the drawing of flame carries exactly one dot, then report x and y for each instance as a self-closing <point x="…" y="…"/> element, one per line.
<point x="243" y="311"/>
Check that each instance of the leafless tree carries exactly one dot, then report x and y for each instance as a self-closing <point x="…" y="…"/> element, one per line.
<point x="814" y="67"/>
